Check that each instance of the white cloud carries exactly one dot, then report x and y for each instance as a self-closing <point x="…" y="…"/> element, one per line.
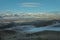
<point x="30" y="4"/>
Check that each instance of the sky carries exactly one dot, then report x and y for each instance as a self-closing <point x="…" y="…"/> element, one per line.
<point x="30" y="6"/>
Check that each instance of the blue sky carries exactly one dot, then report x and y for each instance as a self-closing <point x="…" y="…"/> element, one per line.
<point x="30" y="5"/>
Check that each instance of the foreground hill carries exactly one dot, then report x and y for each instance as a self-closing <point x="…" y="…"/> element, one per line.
<point x="44" y="35"/>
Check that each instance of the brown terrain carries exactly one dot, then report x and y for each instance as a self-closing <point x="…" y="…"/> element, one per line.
<point x="44" y="35"/>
